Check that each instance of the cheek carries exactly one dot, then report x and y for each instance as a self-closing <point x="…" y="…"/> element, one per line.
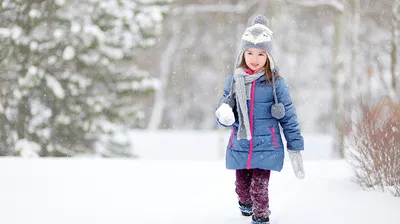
<point x="263" y="61"/>
<point x="248" y="60"/>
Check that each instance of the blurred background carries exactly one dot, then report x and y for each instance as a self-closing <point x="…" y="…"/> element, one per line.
<point x="107" y="109"/>
<point x="91" y="78"/>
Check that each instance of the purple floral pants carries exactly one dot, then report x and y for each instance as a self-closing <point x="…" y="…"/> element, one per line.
<point x="252" y="188"/>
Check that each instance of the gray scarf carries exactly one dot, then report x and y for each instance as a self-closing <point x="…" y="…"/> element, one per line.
<point x="241" y="87"/>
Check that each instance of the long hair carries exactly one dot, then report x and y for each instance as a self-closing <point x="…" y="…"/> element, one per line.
<point x="268" y="72"/>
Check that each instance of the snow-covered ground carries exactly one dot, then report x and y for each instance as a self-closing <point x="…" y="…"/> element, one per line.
<point x="172" y="191"/>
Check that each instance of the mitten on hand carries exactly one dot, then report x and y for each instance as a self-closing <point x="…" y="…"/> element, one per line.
<point x="225" y="115"/>
<point x="297" y="163"/>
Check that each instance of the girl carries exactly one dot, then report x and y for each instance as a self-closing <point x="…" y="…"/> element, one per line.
<point x="255" y="101"/>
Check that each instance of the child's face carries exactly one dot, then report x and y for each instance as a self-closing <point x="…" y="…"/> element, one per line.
<point x="255" y="58"/>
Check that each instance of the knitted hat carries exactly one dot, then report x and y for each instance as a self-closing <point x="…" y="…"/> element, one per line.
<point x="258" y="35"/>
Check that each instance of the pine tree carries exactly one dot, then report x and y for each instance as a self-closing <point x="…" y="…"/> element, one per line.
<point x="68" y="79"/>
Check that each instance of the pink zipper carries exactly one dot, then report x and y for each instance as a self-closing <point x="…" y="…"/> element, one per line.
<point x="251" y="124"/>
<point x="273" y="136"/>
<point x="232" y="134"/>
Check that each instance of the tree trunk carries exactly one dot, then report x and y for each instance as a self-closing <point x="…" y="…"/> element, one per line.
<point x="337" y="86"/>
<point x="354" y="40"/>
<point x="395" y="39"/>
<point x="354" y="76"/>
<point x="165" y="69"/>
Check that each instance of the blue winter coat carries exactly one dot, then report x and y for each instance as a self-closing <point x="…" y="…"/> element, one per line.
<point x="266" y="151"/>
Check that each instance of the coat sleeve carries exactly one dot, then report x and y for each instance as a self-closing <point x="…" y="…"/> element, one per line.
<point x="289" y="122"/>
<point x="230" y="102"/>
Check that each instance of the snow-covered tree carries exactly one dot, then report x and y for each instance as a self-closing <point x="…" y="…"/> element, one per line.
<point x="68" y="77"/>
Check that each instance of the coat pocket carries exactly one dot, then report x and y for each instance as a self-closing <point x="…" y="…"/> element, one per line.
<point x="232" y="136"/>
<point x="273" y="136"/>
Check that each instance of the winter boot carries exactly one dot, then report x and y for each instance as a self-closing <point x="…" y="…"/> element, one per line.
<point x="247" y="210"/>
<point x="263" y="220"/>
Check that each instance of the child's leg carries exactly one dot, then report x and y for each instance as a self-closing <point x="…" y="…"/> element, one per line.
<point x="259" y="192"/>
<point x="243" y="181"/>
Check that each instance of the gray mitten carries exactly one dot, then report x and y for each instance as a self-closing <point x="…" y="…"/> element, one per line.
<point x="297" y="163"/>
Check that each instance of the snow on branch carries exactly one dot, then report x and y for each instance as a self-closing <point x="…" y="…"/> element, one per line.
<point x="226" y="8"/>
<point x="315" y="3"/>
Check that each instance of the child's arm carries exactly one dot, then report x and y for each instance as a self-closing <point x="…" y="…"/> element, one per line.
<point x="225" y="99"/>
<point x="226" y="90"/>
<point x="291" y="129"/>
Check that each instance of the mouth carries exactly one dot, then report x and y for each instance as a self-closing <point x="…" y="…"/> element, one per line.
<point x="254" y="65"/>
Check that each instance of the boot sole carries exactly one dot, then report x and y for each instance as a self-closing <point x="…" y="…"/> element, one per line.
<point x="247" y="213"/>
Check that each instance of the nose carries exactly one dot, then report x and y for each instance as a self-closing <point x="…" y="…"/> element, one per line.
<point x="255" y="58"/>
